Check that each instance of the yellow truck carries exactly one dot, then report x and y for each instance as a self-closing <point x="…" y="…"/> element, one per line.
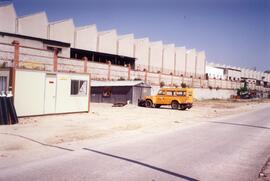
<point x="178" y="98"/>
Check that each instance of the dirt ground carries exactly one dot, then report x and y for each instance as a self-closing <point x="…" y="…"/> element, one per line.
<point x="103" y="122"/>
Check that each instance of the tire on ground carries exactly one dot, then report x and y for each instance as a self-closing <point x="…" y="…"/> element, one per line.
<point x="182" y="107"/>
<point x="148" y="103"/>
<point x="174" y="105"/>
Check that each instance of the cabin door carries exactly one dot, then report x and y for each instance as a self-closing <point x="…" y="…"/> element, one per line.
<point x="50" y="94"/>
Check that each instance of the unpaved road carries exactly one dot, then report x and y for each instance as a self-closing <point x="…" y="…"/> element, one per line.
<point x="232" y="148"/>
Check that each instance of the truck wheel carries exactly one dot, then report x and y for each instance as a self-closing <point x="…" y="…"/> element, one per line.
<point x="182" y="107"/>
<point x="148" y="103"/>
<point x="174" y="105"/>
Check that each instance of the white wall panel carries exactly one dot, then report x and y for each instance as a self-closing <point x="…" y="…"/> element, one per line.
<point x="86" y="38"/>
<point x="23" y="41"/>
<point x="7" y="18"/>
<point x="107" y="42"/>
<point x="155" y="60"/>
<point x="35" y="25"/>
<point x="62" y="31"/>
<point x="126" y="45"/>
<point x="191" y="61"/>
<point x="168" y="58"/>
<point x="200" y="65"/>
<point x="141" y="53"/>
<point x="29" y="93"/>
<point x="66" y="102"/>
<point x="180" y="60"/>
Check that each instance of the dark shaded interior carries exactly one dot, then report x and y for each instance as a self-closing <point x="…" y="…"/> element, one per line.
<point x="102" y="57"/>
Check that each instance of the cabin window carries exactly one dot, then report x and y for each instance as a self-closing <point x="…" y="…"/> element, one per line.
<point x="78" y="87"/>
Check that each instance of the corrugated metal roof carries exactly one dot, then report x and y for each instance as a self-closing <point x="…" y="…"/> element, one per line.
<point x="114" y="83"/>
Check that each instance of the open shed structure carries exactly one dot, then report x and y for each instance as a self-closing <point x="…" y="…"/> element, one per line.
<point x="118" y="91"/>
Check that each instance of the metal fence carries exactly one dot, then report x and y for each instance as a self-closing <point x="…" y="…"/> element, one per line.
<point x="46" y="60"/>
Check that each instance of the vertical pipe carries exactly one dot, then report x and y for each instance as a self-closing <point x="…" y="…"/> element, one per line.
<point x="129" y="71"/>
<point x="15" y="64"/>
<point x="109" y="70"/>
<point x="89" y="96"/>
<point x="85" y="64"/>
<point x="55" y="60"/>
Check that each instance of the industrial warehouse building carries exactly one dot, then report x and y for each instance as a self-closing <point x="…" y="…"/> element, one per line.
<point x="152" y="56"/>
<point x="60" y="54"/>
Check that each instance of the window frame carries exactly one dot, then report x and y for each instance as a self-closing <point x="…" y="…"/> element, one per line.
<point x="78" y="94"/>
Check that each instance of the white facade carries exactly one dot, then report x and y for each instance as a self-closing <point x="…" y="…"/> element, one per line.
<point x="86" y="38"/>
<point x="125" y="45"/>
<point x="214" y="72"/>
<point x="200" y="64"/>
<point x="141" y="53"/>
<point x="155" y="56"/>
<point x="49" y="93"/>
<point x="168" y="62"/>
<point x="23" y="41"/>
<point x="62" y="31"/>
<point x="35" y="25"/>
<point x="8" y="18"/>
<point x="233" y="74"/>
<point x="180" y="60"/>
<point x="107" y="42"/>
<point x="191" y="62"/>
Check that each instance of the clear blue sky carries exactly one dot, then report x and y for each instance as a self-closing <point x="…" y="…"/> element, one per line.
<point x="234" y="32"/>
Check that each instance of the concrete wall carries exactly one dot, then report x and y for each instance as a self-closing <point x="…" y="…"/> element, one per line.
<point x="107" y="42"/>
<point x="86" y="38"/>
<point x="191" y="62"/>
<point x="155" y="54"/>
<point x="200" y="64"/>
<point x="35" y="25"/>
<point x="141" y="53"/>
<point x="201" y="94"/>
<point x="180" y="60"/>
<point x="168" y="62"/>
<point x="62" y="31"/>
<point x="7" y="18"/>
<point x="125" y="45"/>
